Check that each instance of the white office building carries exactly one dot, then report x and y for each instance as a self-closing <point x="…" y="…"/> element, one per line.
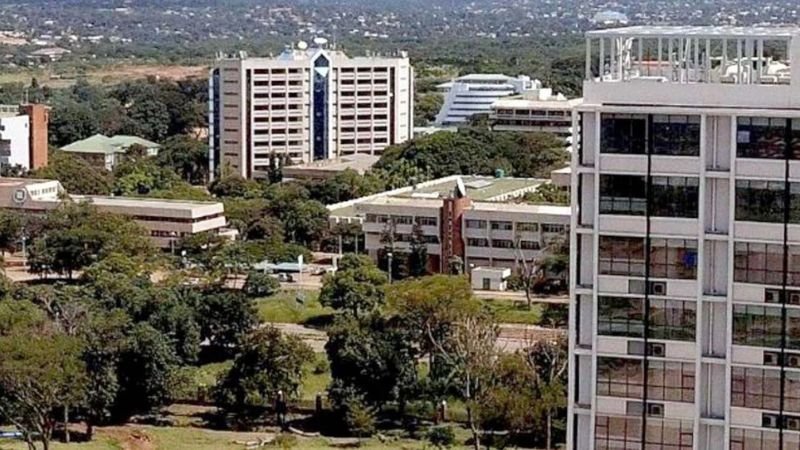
<point x="537" y="110"/>
<point x="307" y="104"/>
<point x="474" y="94"/>
<point x="685" y="238"/>
<point x="14" y="137"/>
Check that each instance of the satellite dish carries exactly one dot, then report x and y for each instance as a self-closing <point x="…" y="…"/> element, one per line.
<point x="302" y="45"/>
<point x="461" y="190"/>
<point x="320" y="41"/>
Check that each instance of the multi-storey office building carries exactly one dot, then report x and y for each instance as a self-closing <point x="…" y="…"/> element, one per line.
<point x="474" y="94"/>
<point x="307" y="104"/>
<point x="538" y="110"/>
<point x="685" y="282"/>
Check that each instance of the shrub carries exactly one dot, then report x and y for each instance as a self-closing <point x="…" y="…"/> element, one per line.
<point x="260" y="285"/>
<point x="359" y="418"/>
<point x="442" y="437"/>
<point x="321" y="366"/>
<point x="285" y="441"/>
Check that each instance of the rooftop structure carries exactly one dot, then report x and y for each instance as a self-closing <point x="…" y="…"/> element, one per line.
<point x="483" y="230"/>
<point x="109" y="151"/>
<point x="327" y="168"/>
<point x="308" y="104"/>
<point x="474" y="94"/>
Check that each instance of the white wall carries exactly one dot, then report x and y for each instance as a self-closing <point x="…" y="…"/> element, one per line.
<point x="15" y="130"/>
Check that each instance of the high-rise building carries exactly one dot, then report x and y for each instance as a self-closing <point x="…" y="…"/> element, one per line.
<point x="307" y="104"/>
<point x="23" y="135"/>
<point x="685" y="238"/>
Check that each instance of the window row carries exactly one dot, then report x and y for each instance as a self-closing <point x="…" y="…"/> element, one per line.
<point x="627" y="195"/>
<point x="509" y="226"/>
<point x="669" y="258"/>
<point x="625" y="377"/>
<point x="667" y="319"/>
<point x="617" y="433"/>
<point x="769" y="138"/>
<point x="402" y="220"/>
<point x="762" y="326"/>
<point x="639" y="134"/>
<point x="767" y="201"/>
<point x="750" y="439"/>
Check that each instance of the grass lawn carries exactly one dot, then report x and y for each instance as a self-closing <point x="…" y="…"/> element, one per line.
<point x="509" y="311"/>
<point x="283" y="307"/>
<point x="316" y="382"/>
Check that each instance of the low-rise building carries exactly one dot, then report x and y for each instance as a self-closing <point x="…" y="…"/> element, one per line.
<point x="166" y="221"/>
<point x="107" y="152"/>
<point x="327" y="168"/>
<point x="538" y="110"/>
<point x="474" y="94"/>
<point x="467" y="219"/>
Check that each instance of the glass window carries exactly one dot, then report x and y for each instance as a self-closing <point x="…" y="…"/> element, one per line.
<point x="672" y="319"/>
<point x="750" y="439"/>
<point x="761" y="137"/>
<point x="674" y="196"/>
<point x="529" y="245"/>
<point x="471" y="223"/>
<point x="669" y="319"/>
<point x="623" y="194"/>
<point x="665" y="434"/>
<point x="427" y="221"/>
<point x="757" y="326"/>
<point x="621" y="256"/>
<point x="502" y="243"/>
<point x="756" y="388"/>
<point x="620" y="316"/>
<point x="474" y="242"/>
<point x="528" y="226"/>
<point x="506" y="226"/>
<point x="620" y="377"/>
<point x="670" y="381"/>
<point x="760" y="201"/>
<point x="673" y="258"/>
<point x="623" y="133"/>
<point x="676" y="135"/>
<point x="553" y="228"/>
<point x="616" y="433"/>
<point x="758" y="263"/>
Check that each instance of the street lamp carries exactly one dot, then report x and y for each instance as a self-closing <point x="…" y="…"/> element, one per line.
<point x="389" y="256"/>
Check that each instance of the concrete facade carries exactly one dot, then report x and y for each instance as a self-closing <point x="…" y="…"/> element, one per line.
<point x="307" y="105"/>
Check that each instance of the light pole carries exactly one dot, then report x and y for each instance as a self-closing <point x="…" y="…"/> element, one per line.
<point x="389" y="256"/>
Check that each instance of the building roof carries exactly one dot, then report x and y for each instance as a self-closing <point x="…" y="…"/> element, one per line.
<point x="153" y="206"/>
<point x="328" y="167"/>
<point x="522" y="208"/>
<point x="108" y="145"/>
<point x="479" y="188"/>
<point x="777" y="32"/>
<point x="519" y="102"/>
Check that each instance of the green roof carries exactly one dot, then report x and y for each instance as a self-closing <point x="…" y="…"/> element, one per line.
<point x="478" y="188"/>
<point x="108" y="145"/>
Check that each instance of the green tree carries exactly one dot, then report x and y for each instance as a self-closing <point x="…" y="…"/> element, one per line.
<point x="260" y="284"/>
<point x="418" y="253"/>
<point x="11" y="227"/>
<point x="72" y="172"/>
<point x="548" y="194"/>
<point x="235" y="186"/>
<point x="267" y="363"/>
<point x="187" y="156"/>
<point x="225" y="317"/>
<point x="41" y="373"/>
<point x="357" y="287"/>
<point x="547" y="360"/>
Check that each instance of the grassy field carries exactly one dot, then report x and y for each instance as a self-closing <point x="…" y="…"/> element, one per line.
<point x="283" y="307"/>
<point x="509" y="311"/>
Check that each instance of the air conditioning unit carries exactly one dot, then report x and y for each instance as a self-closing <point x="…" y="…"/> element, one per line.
<point x="769" y="420"/>
<point x="772" y="296"/>
<point x="793" y="360"/>
<point x="658" y="288"/>
<point x="658" y="350"/>
<point x="655" y="410"/>
<point x="772" y="359"/>
<point x="635" y="348"/>
<point x="636" y="287"/>
<point x="792" y="423"/>
<point x="794" y="298"/>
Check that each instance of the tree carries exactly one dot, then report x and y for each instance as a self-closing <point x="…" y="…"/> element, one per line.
<point x="548" y="361"/>
<point x="187" y="156"/>
<point x="225" y="317"/>
<point x="345" y="185"/>
<point x="548" y="194"/>
<point x="40" y="373"/>
<point x="260" y="284"/>
<point x="373" y="359"/>
<point x="235" y="186"/>
<point x="418" y="253"/>
<point x="356" y="288"/>
<point x="10" y="231"/>
<point x="268" y="363"/>
<point x="147" y="363"/>
<point x="509" y="398"/>
<point x="72" y="172"/>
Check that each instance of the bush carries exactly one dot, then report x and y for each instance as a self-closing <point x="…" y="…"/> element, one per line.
<point x="285" y="441"/>
<point x="321" y="366"/>
<point x="260" y="285"/>
<point x="359" y="418"/>
<point x="442" y="437"/>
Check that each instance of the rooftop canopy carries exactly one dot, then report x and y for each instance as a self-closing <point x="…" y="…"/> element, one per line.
<point x="730" y="32"/>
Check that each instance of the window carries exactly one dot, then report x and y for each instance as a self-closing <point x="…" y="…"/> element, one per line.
<point x="505" y="226"/>
<point x="623" y="194"/>
<point x="668" y="319"/>
<point x="673" y="258"/>
<point x="665" y="434"/>
<point x="529" y="245"/>
<point x="621" y="256"/>
<point x="757" y="326"/>
<point x="758" y="263"/>
<point x="475" y="242"/>
<point x="670" y="381"/>
<point x="754" y="439"/>
<point x="674" y="196"/>
<point x="676" y="135"/>
<point x="672" y="319"/>
<point x="756" y="388"/>
<point x="760" y="201"/>
<point x="623" y="133"/>
<point x="620" y="377"/>
<point x="427" y="221"/>
<point x="502" y="243"/>
<point x="763" y="137"/>
<point x="480" y="224"/>
<point x="528" y="227"/>
<point x="403" y="220"/>
<point x="612" y="433"/>
<point x="620" y="316"/>
<point x="553" y="228"/>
